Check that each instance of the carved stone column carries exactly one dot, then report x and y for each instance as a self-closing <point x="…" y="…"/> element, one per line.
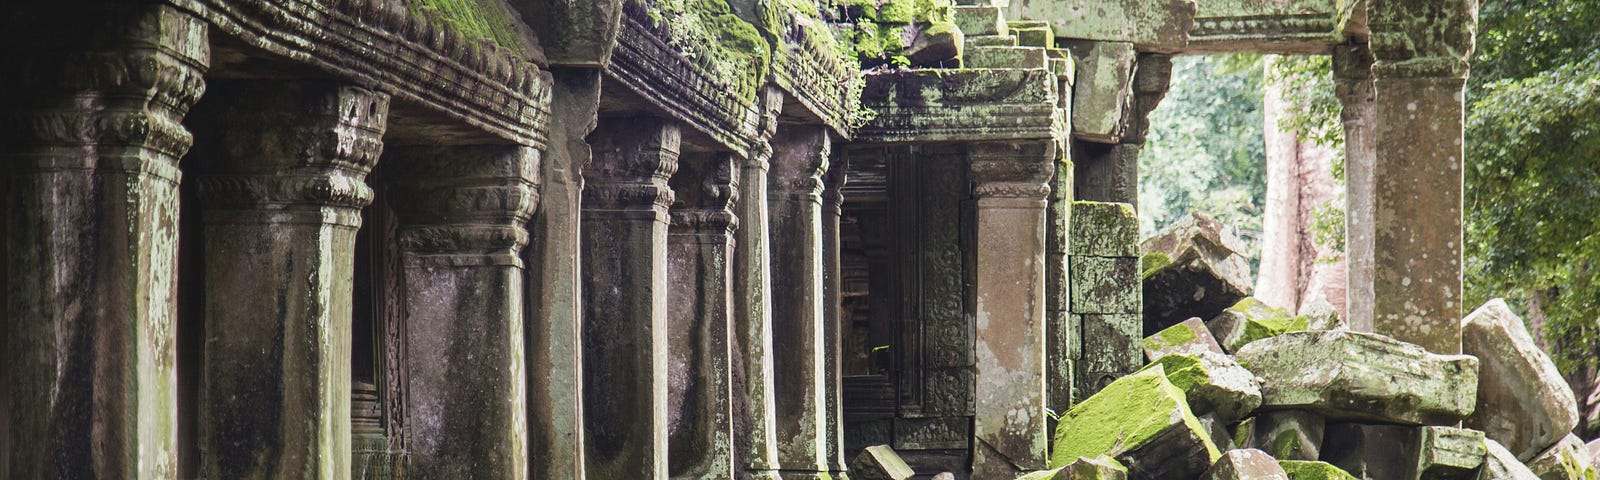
<point x="799" y="158"/>
<point x="625" y="297"/>
<point x="90" y="112"/>
<point x="283" y="168"/>
<point x="755" y="433"/>
<point x="1352" y="76"/>
<point x="1011" y="185"/>
<point x="555" y="315"/>
<point x="1422" y="48"/>
<point x="1063" y="334"/>
<point x="699" y="248"/>
<point x="461" y="234"/>
<point x="833" y="324"/>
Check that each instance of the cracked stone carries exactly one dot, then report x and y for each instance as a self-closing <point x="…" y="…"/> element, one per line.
<point x="1523" y="401"/>
<point x="1346" y="375"/>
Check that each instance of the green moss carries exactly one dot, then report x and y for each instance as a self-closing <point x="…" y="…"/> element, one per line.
<point x="1128" y="413"/>
<point x="1152" y="262"/>
<point x="1303" y="470"/>
<point x="1184" y="371"/>
<point x="476" y="19"/>
<point x="731" y="48"/>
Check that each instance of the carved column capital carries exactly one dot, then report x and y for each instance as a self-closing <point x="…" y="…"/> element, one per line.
<point x="799" y="158"/>
<point x="709" y="187"/>
<point x="833" y="185"/>
<point x="467" y="202"/>
<point x="1352" y="75"/>
<point x="1012" y="170"/>
<point x="1422" y="38"/>
<point x="633" y="160"/>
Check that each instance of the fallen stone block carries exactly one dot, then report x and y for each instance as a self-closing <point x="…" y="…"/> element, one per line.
<point x="1101" y="468"/>
<point x="1218" y="430"/>
<point x="1246" y="464"/>
<point x="1568" y="459"/>
<point x="938" y="43"/>
<point x="1309" y="470"/>
<point x="1500" y="464"/>
<point x="1250" y="320"/>
<point x="1290" y="434"/>
<point x="879" y="462"/>
<point x="1191" y="336"/>
<point x="1347" y="375"/>
<point x="1404" y="452"/>
<point x="1523" y="401"/>
<point x="1213" y="384"/>
<point x="1205" y="272"/>
<point x="1143" y="422"/>
<point x="1244" y="432"/>
<point x="1321" y="315"/>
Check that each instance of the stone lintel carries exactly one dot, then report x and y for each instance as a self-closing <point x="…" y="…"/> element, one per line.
<point x="960" y="105"/>
<point x="1153" y="26"/>
<point x="1103" y="93"/>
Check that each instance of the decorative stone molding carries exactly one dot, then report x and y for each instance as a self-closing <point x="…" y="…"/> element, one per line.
<point x="809" y="69"/>
<point x="800" y="157"/>
<point x="477" y="200"/>
<point x="707" y="205"/>
<point x="960" y="105"/>
<point x="1278" y="33"/>
<point x="1012" y="170"/>
<point x="633" y="159"/>
<point x="1428" y="38"/>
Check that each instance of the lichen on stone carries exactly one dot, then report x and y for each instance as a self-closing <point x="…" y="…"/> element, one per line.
<point x="1128" y="413"/>
<point x="1307" y="470"/>
<point x="475" y="19"/>
<point x="1151" y="262"/>
<point x="708" y="31"/>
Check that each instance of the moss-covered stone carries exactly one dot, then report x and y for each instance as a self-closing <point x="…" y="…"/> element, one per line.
<point x="1191" y="337"/>
<point x="475" y="19"/>
<point x="1212" y="383"/>
<point x="1141" y="420"/>
<point x="1152" y="261"/>
<point x="1104" y="229"/>
<point x="1309" y="470"/>
<point x="1102" y="468"/>
<point x="1250" y="320"/>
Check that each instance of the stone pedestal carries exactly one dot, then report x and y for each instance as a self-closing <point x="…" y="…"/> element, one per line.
<point x="832" y="302"/>
<point x="1352" y="77"/>
<point x="1421" y="49"/>
<point x="755" y="434"/>
<point x="460" y="239"/>
<point x="1010" y="184"/>
<point x="800" y="156"/>
<point x="92" y="141"/>
<point x="282" y="190"/>
<point x="625" y="202"/>
<point x="699" y="249"/>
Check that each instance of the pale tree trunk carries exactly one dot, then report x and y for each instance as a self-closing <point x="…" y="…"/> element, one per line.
<point x="1295" y="272"/>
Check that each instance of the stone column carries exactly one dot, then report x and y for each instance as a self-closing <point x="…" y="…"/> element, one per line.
<point x="555" y="301"/>
<point x="625" y="297"/>
<point x="1110" y="173"/>
<point x="1010" y="185"/>
<point x="833" y="324"/>
<point x="799" y="158"/>
<point x="1352" y="76"/>
<point x="1063" y="334"/>
<point x="755" y="434"/>
<point x="699" y="245"/>
<point x="90" y="112"/>
<point x="461" y="233"/>
<point x="1422" y="48"/>
<point x="282" y="189"/>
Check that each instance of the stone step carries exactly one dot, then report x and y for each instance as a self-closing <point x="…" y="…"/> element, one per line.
<point x="991" y="41"/>
<point x="1005" y="57"/>
<point x="976" y="20"/>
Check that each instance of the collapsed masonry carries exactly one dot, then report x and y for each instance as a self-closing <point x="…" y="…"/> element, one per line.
<point x="632" y="238"/>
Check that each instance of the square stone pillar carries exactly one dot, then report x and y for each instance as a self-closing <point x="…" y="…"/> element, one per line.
<point x="755" y="431"/>
<point x="699" y="249"/>
<point x="461" y="234"/>
<point x="1011" y="182"/>
<point x="1063" y="334"/>
<point x="1422" y="48"/>
<point x="92" y="103"/>
<point x="282" y="188"/>
<point x="1352" y="76"/>
<point x="624" y="229"/>
<point x="555" y="315"/>
<point x="832" y="301"/>
<point x="800" y="156"/>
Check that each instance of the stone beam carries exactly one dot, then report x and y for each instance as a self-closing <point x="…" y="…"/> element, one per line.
<point x="461" y="236"/>
<point x="574" y="33"/>
<point x="1152" y="26"/>
<point x="1011" y="183"/>
<point x="283" y="182"/>
<point x="92" y="106"/>
<point x="800" y="157"/>
<point x="624" y="286"/>
<point x="1266" y="26"/>
<point x="1352" y="76"/>
<point x="1422" y="48"/>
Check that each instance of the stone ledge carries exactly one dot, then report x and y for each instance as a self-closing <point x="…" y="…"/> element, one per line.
<point x="954" y="105"/>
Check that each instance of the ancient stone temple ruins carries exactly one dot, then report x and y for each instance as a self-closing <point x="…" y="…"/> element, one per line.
<point x="618" y="239"/>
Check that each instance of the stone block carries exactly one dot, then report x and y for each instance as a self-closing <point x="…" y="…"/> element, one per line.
<point x="1501" y="464"/>
<point x="1321" y="315"/>
<point x="1220" y="436"/>
<point x="879" y="462"/>
<point x="1205" y="271"/>
<point x="1404" y="452"/>
<point x="1310" y="470"/>
<point x="1100" y="468"/>
<point x="1005" y="57"/>
<point x="1105" y="285"/>
<point x="940" y="43"/>
<point x="1250" y="320"/>
<point x="976" y="20"/>
<point x="991" y="41"/>
<point x="1104" y="229"/>
<point x="1244" y="432"/>
<point x="1104" y="90"/>
<point x="1245" y="464"/>
<point x="1523" y="401"/>
<point x="1213" y="384"/>
<point x="1154" y="26"/>
<point x="1348" y="375"/>
<point x="1290" y="434"/>
<point x="1142" y="421"/>
<point x="1568" y="459"/>
<point x="1113" y="352"/>
<point x="1190" y="337"/>
<point x="1033" y="34"/>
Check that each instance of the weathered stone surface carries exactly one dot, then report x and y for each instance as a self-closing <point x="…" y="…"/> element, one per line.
<point x="1103" y="90"/>
<point x="1501" y="464"/>
<point x="976" y="20"/>
<point x="1251" y="320"/>
<point x="1142" y="421"/>
<point x="1311" y="470"/>
<point x="1523" y="402"/>
<point x="1099" y="468"/>
<point x="1321" y="315"/>
<point x="1568" y="459"/>
<point x="1114" y="352"/>
<point x="1104" y="229"/>
<point x="800" y="157"/>
<point x="1245" y="464"/>
<point x="1189" y="337"/>
<point x="1290" y="434"/>
<point x="1352" y="375"/>
<point x="1244" y="432"/>
<point x="1105" y="284"/>
<point x="1205" y="272"/>
<point x="939" y="44"/>
<point x="1213" y="384"/>
<point x="1594" y="451"/>
<point x="1404" y="452"/>
<point x="1161" y="26"/>
<point x="879" y="462"/>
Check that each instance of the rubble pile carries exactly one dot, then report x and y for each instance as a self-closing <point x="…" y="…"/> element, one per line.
<point x="1256" y="394"/>
<point x="1194" y="268"/>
